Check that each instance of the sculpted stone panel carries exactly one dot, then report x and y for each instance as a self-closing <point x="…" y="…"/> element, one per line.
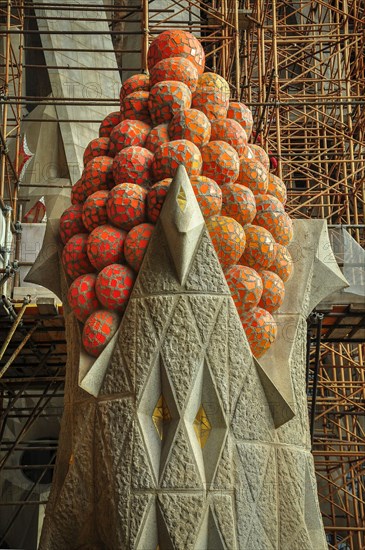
<point x="180" y="438"/>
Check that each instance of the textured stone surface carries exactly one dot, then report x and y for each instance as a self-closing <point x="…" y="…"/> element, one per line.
<point x="206" y="273"/>
<point x="139" y="504"/>
<point x="181" y="470"/>
<point x="247" y="485"/>
<point x="205" y="310"/>
<point x="182" y="514"/>
<point x="223" y="506"/>
<point x="182" y="350"/>
<point x="224" y="480"/>
<point x="142" y="477"/>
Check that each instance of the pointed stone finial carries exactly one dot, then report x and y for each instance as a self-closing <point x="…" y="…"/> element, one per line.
<point x="182" y="222"/>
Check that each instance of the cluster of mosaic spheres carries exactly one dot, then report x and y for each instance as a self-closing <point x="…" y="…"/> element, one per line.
<point x="177" y="114"/>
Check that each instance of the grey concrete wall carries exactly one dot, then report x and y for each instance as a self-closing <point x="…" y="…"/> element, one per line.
<point x="76" y="82"/>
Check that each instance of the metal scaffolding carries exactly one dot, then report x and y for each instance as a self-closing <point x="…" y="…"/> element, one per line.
<point x="304" y="76"/>
<point x="300" y="67"/>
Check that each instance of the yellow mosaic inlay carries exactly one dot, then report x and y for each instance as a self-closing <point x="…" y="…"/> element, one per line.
<point x="202" y="426"/>
<point x="181" y="199"/>
<point x="161" y="416"/>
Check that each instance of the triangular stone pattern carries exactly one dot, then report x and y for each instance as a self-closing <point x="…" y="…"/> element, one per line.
<point x="181" y="431"/>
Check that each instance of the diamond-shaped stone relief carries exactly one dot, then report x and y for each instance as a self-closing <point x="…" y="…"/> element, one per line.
<point x="223" y="507"/>
<point x="223" y="479"/>
<point x="209" y="536"/>
<point x="146" y="343"/>
<point x="204" y="399"/>
<point x="181" y="514"/>
<point x="142" y="477"/>
<point x="296" y="432"/>
<point x="252" y="418"/>
<point x="113" y="431"/>
<point x="160" y="309"/>
<point x="257" y="492"/>
<point x="239" y="354"/>
<point x="122" y="383"/>
<point x="119" y="377"/>
<point x="253" y="459"/>
<point x="104" y="495"/>
<point x="217" y="353"/>
<point x="158" y="416"/>
<point x="206" y="274"/>
<point x="140" y="504"/>
<point x="291" y="483"/>
<point x="181" y="350"/>
<point x="158" y="274"/>
<point x="258" y="538"/>
<point x="181" y="471"/>
<point x="205" y="309"/>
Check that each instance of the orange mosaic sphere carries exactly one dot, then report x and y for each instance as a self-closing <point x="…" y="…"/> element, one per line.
<point x="98" y="147"/>
<point x="260" y="154"/>
<point x="216" y="83"/>
<point x="173" y="153"/>
<point x="208" y="194"/>
<point x="166" y="99"/>
<point x="78" y="193"/>
<point x="230" y="131"/>
<point x="155" y="199"/>
<point x="94" y="210"/>
<point x="278" y="223"/>
<point x="220" y="162"/>
<point x="74" y="256"/>
<point x="82" y="297"/>
<point x="126" y="205"/>
<point x="212" y="96"/>
<point x="128" y="133"/>
<point x="253" y="175"/>
<point x="273" y="293"/>
<point x="114" y="285"/>
<point x="211" y="103"/>
<point x="228" y="238"/>
<point x="135" y="83"/>
<point x="97" y="175"/>
<point x="98" y="330"/>
<point x="283" y="263"/>
<point x="261" y="330"/>
<point x="105" y="246"/>
<point x="245" y="285"/>
<point x="260" y="248"/>
<point x="176" y="43"/>
<point x="136" y="244"/>
<point x="71" y="222"/>
<point x="241" y="114"/>
<point x="175" y="68"/>
<point x="276" y="187"/>
<point x="157" y="136"/>
<point x="238" y="202"/>
<point x="190" y="124"/>
<point x="135" y="107"/>
<point x="283" y="231"/>
<point x="133" y="164"/>
<point x="109" y="122"/>
<point x="268" y="203"/>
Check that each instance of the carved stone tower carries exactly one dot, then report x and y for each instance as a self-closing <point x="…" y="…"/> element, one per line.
<point x="176" y="437"/>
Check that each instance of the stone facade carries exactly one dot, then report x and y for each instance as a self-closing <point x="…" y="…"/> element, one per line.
<point x="178" y="437"/>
